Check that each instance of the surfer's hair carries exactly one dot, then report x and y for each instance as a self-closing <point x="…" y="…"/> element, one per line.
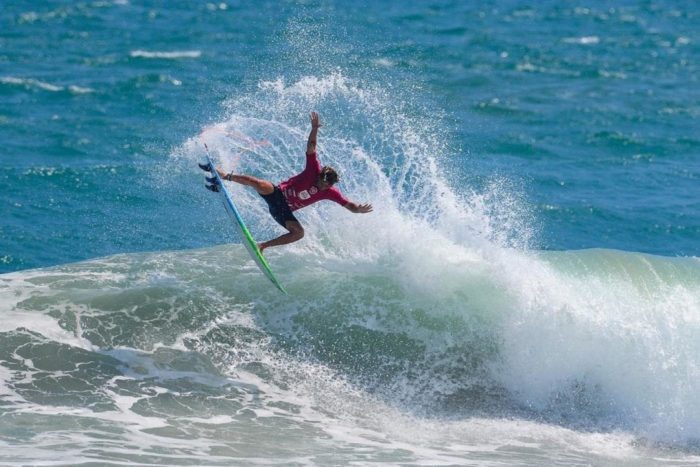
<point x="329" y="175"/>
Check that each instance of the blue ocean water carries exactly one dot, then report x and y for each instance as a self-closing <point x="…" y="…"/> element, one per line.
<point x="526" y="291"/>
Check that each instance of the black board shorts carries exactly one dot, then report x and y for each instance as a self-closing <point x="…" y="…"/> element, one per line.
<point x="279" y="209"/>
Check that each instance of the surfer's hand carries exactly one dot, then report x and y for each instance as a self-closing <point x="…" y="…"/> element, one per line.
<point x="262" y="246"/>
<point x="315" y="120"/>
<point x="359" y="208"/>
<point x="364" y="208"/>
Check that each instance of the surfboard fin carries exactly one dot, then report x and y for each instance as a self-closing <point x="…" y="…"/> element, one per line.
<point x="211" y="180"/>
<point x="205" y="167"/>
<point x="214" y="188"/>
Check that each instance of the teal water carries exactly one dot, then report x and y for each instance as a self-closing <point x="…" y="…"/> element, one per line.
<point x="526" y="292"/>
<point x="590" y="113"/>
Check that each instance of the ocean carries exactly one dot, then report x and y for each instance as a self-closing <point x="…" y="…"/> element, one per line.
<point x="525" y="292"/>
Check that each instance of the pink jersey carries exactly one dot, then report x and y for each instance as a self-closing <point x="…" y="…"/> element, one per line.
<point x="301" y="190"/>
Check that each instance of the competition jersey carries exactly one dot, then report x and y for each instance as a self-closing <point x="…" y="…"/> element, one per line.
<point x="301" y="190"/>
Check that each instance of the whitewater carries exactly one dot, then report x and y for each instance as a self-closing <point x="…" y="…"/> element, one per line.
<point x="426" y="333"/>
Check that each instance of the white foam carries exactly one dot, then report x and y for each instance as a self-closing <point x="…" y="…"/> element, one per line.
<point x="585" y="40"/>
<point x="169" y="55"/>
<point x="384" y="62"/>
<point x="624" y="342"/>
<point x="44" y="86"/>
<point x="31" y="83"/>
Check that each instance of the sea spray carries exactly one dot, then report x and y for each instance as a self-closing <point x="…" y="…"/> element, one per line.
<point x="389" y="152"/>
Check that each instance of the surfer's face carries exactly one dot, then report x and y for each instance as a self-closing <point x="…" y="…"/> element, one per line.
<point x="323" y="185"/>
<point x="327" y="178"/>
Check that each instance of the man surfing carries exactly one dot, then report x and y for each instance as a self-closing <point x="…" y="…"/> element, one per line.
<point x="314" y="184"/>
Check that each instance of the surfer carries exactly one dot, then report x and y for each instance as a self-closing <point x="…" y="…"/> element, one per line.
<point x="313" y="184"/>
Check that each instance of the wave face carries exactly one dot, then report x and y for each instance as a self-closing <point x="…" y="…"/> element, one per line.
<point x="173" y="356"/>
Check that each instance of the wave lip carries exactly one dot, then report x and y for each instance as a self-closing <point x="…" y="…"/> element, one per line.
<point x="605" y="338"/>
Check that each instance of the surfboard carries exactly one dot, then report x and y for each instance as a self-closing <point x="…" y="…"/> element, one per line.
<point x="248" y="241"/>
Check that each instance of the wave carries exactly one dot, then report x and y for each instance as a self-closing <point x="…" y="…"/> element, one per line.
<point x="445" y="304"/>
<point x="594" y="340"/>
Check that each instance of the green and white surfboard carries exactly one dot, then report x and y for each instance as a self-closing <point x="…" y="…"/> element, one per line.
<point x="250" y="244"/>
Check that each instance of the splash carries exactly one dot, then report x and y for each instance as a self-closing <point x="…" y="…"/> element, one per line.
<point x="388" y="152"/>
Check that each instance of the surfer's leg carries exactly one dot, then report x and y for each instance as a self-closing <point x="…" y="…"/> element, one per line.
<point x="296" y="232"/>
<point x="295" y="229"/>
<point x="263" y="187"/>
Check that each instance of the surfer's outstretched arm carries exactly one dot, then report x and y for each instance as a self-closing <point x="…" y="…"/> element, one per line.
<point x="358" y="208"/>
<point x="315" y="125"/>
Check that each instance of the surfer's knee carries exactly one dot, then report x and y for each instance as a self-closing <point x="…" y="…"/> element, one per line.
<point x="295" y="229"/>
<point x="264" y="187"/>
